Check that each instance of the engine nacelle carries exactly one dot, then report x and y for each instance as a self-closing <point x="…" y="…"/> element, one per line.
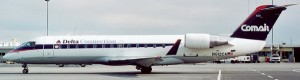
<point x="203" y="41"/>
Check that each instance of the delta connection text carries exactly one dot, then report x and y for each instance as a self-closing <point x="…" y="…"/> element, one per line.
<point x="72" y="41"/>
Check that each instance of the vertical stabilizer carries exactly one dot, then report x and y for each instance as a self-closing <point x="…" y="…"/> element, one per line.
<point x="258" y="25"/>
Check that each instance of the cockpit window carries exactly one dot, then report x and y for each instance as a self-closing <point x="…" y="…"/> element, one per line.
<point x="28" y="44"/>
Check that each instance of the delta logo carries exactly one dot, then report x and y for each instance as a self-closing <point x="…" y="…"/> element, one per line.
<point x="255" y="28"/>
<point x="58" y="42"/>
<point x="67" y="41"/>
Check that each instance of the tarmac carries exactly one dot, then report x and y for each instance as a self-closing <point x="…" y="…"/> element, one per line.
<point x="202" y="71"/>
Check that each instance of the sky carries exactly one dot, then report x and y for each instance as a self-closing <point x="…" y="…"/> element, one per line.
<point x="26" y="19"/>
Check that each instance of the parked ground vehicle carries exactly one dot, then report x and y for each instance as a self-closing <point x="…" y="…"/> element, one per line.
<point x="244" y="59"/>
<point x="275" y="58"/>
<point x="239" y="59"/>
<point x="255" y="59"/>
<point x="9" y="62"/>
<point x="233" y="60"/>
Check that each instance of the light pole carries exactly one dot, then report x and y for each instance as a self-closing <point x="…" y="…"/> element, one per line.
<point x="47" y="15"/>
<point x="272" y="2"/>
<point x="272" y="38"/>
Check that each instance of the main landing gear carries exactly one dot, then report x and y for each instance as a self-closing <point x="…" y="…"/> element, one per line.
<point x="145" y="70"/>
<point x="25" y="70"/>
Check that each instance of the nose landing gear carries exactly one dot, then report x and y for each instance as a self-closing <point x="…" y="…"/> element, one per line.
<point x="25" y="70"/>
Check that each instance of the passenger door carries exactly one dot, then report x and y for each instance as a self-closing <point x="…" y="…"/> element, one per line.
<point x="48" y="50"/>
<point x="121" y="46"/>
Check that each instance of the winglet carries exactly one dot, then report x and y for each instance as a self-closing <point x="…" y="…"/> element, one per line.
<point x="175" y="47"/>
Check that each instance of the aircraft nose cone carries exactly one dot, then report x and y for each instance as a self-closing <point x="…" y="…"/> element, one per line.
<point x="7" y="57"/>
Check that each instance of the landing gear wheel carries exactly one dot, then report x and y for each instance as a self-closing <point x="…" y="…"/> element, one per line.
<point x="61" y="65"/>
<point x="146" y="70"/>
<point x="82" y="65"/>
<point x="25" y="71"/>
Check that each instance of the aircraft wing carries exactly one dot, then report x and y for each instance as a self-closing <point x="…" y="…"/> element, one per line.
<point x="138" y="60"/>
<point x="143" y="61"/>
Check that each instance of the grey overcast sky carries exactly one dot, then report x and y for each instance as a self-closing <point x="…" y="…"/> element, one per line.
<point x="26" y="19"/>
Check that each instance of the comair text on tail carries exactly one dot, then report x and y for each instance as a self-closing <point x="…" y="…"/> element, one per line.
<point x="258" y="25"/>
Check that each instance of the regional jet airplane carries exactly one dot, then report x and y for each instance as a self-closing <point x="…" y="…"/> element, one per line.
<point x="144" y="51"/>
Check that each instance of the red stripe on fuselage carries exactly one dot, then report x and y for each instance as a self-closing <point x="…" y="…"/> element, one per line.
<point x="14" y="51"/>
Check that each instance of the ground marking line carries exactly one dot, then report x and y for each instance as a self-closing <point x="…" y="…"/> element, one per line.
<point x="253" y="69"/>
<point x="296" y="70"/>
<point x="270" y="76"/>
<point x="266" y="74"/>
<point x="219" y="75"/>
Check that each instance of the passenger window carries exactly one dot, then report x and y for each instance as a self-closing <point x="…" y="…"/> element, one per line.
<point x="81" y="46"/>
<point x="72" y="46"/>
<point x="63" y="46"/>
<point x="56" y="46"/>
<point x="133" y="45"/>
<point x="120" y="46"/>
<point x="48" y="46"/>
<point x="114" y="45"/>
<point x="168" y="44"/>
<point x="38" y="46"/>
<point x="127" y="45"/>
<point x="158" y="45"/>
<point x="94" y="46"/>
<point x="99" y="45"/>
<point x="90" y="46"/>
<point x="150" y="45"/>
<point x="107" y="45"/>
<point x="141" y="45"/>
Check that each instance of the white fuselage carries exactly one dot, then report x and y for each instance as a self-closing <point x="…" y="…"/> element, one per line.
<point x="122" y="51"/>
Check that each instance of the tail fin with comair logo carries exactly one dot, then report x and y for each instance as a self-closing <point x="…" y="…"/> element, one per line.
<point x="258" y="25"/>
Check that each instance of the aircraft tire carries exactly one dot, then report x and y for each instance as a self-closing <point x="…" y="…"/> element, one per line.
<point x="146" y="70"/>
<point x="61" y="65"/>
<point x="82" y="65"/>
<point x="25" y="71"/>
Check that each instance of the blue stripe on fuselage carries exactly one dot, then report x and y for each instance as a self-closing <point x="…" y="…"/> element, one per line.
<point x="78" y="46"/>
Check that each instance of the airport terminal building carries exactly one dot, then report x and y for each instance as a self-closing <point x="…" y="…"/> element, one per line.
<point x="288" y="53"/>
<point x="5" y="47"/>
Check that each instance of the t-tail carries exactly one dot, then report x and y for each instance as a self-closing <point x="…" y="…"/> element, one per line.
<point x="258" y="25"/>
